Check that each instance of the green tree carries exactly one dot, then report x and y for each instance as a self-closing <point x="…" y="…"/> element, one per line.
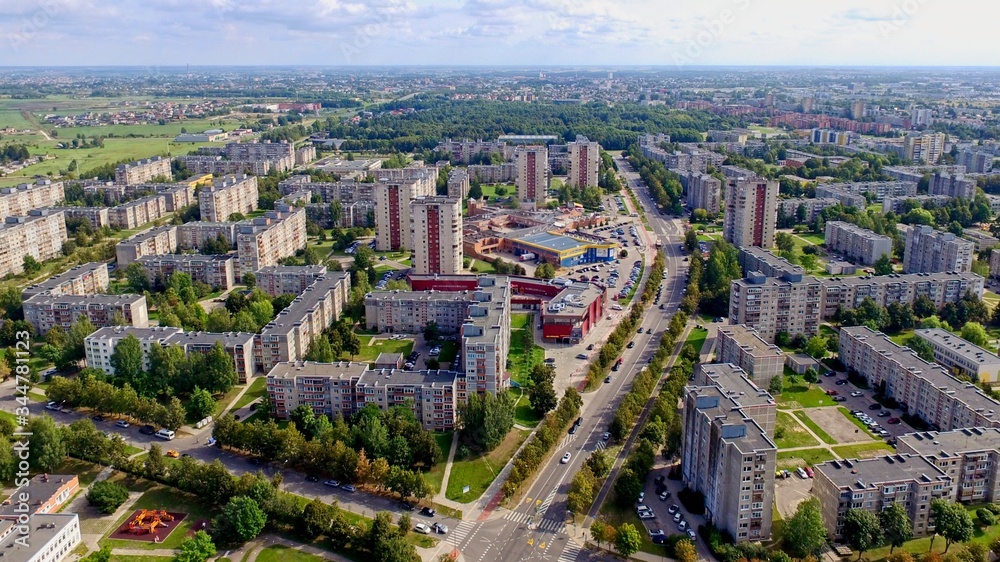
<point x="106" y="496"/>
<point x="220" y="371"/>
<point x="197" y="548"/>
<point x="628" y="541"/>
<point x="862" y="530"/>
<point x="103" y="555"/>
<point x="816" y="347"/>
<point x="316" y="518"/>
<point x="31" y="265"/>
<point x="975" y="333"/>
<point x="241" y="520"/>
<point x="776" y="385"/>
<point x="138" y="277"/>
<point x="805" y="533"/>
<point x="921" y="347"/>
<point x="684" y="551"/>
<point x="47" y="448"/>
<point x="541" y="390"/>
<point x="127" y="359"/>
<point x="201" y="404"/>
<point x="600" y="531"/>
<point x="486" y="419"/>
<point x="431" y="331"/>
<point x="895" y="523"/>
<point x="951" y="521"/>
<point x="784" y="241"/>
<point x="545" y="271"/>
<point x="320" y="350"/>
<point x="250" y="280"/>
<point x="883" y="266"/>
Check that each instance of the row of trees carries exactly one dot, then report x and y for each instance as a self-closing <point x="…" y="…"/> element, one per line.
<point x="548" y="434"/>
<point x="486" y="419"/>
<point x="709" y="280"/>
<point x="664" y="186"/>
<point x="91" y="390"/>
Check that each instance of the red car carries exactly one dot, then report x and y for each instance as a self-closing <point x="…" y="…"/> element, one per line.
<point x="832" y="392"/>
<point x="809" y="472"/>
<point x="892" y="421"/>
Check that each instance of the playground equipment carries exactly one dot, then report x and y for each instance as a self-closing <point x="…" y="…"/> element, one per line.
<point x="147" y="520"/>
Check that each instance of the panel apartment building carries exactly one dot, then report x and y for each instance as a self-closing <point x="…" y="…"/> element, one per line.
<point x="263" y="241"/>
<point x="961" y="356"/>
<point x="41" y="235"/>
<point x="765" y="261"/>
<point x="194" y="235"/>
<point x="952" y="185"/>
<point x="844" y="197"/>
<point x="355" y="201"/>
<point x="287" y="337"/>
<point x="392" y="207"/>
<point x="231" y="194"/>
<point x="143" y="171"/>
<point x="923" y="389"/>
<point x="86" y="279"/>
<point x="933" y="251"/>
<point x="47" y="311"/>
<point x="19" y="201"/>
<point x="727" y="454"/>
<point x="153" y="242"/>
<point x="940" y="288"/>
<point x="288" y="279"/>
<point x="436" y="231"/>
<point x="807" y="209"/>
<point x="743" y="347"/>
<point x="880" y="189"/>
<point x="969" y="456"/>
<point x="459" y="184"/>
<point x="791" y="303"/>
<point x="857" y="244"/>
<point x="134" y="214"/>
<point x="584" y="162"/>
<point x="703" y="192"/>
<point x="751" y="212"/>
<point x="532" y="181"/>
<point x="218" y="271"/>
<point x="873" y="484"/>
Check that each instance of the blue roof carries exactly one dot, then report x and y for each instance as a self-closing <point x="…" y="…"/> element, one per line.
<point x="555" y="242"/>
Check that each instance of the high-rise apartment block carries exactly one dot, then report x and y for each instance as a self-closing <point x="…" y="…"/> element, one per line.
<point x="346" y="203"/>
<point x="923" y="390"/>
<point x="40" y="235"/>
<point x="20" y="200"/>
<point x="751" y="212"/>
<point x="287" y="279"/>
<point x="263" y="241"/>
<point x="459" y="184"/>
<point x="143" y="171"/>
<point x="961" y="356"/>
<point x="857" y="244"/>
<point x="743" y="347"/>
<point x="924" y="148"/>
<point x="134" y="214"/>
<point x="229" y="195"/>
<point x="703" y="192"/>
<point x="153" y="242"/>
<point x="584" y="161"/>
<point x="933" y="251"/>
<point x="975" y="162"/>
<point x="392" y="208"/>
<point x="44" y="312"/>
<point x="86" y="279"/>
<point x="952" y="185"/>
<point x="218" y="271"/>
<point x="791" y="303"/>
<point x="728" y="455"/>
<point x="754" y="259"/>
<point x="194" y="235"/>
<point x="436" y="231"/>
<point x="532" y="175"/>
<point x="969" y="456"/>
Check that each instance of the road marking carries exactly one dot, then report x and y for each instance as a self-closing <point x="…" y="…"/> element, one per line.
<point x="570" y="553"/>
<point x="548" y="501"/>
<point x="600" y="445"/>
<point x="460" y="532"/>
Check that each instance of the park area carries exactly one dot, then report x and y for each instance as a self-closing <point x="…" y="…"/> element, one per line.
<point x="150" y="525"/>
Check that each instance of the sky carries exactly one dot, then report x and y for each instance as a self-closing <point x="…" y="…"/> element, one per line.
<point x="498" y="32"/>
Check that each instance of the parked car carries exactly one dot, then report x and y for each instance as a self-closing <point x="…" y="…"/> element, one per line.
<point x="809" y="472"/>
<point x="642" y="497"/>
<point x="52" y="406"/>
<point x="607" y="379"/>
<point x="123" y="424"/>
<point x="407" y="506"/>
<point x="840" y="399"/>
<point x="802" y="473"/>
<point x="166" y="434"/>
<point x="332" y="483"/>
<point x="875" y="406"/>
<point x="692" y="535"/>
<point x="832" y="393"/>
<point x="427" y="511"/>
<point x="581" y="356"/>
<point x="98" y="418"/>
<point x="422" y="529"/>
<point x="884" y="414"/>
<point x="892" y="421"/>
<point x="440" y="528"/>
<point x="664" y="496"/>
<point x="173" y="454"/>
<point x="348" y="488"/>
<point x="673" y="509"/>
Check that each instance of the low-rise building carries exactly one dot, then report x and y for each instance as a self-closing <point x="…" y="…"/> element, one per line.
<point x="47" y="311"/>
<point x="982" y="240"/>
<point x="218" y="271"/>
<point x="52" y="537"/>
<point x="743" y="347"/>
<point x="153" y="242"/>
<point x="969" y="456"/>
<point x="961" y="356"/>
<point x="856" y="243"/>
<point x="85" y="279"/>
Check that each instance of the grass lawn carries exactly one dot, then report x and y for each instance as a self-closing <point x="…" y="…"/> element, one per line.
<point x="811" y="457"/>
<point x="87" y="472"/>
<point x="813" y="239"/>
<point x="616" y="515"/>
<point x="126" y="558"/>
<point x="792" y="434"/>
<point x="520" y="320"/>
<point x="478" y="471"/>
<point x="258" y="388"/>
<point x="222" y="401"/>
<point x="901" y="337"/>
<point x="281" y="553"/>
<point x="162" y="497"/>
<point x="524" y="354"/>
<point x="523" y="413"/>
<point x="803" y="395"/>
<point x="864" y="450"/>
<point x="380" y="269"/>
<point x="919" y="547"/>
<point x="369" y="350"/>
<point x="697" y="338"/>
<point x="449" y="350"/>
<point x="856" y="421"/>
<point x="479" y="266"/>
<point x="436" y="476"/>
<point x="804" y="417"/>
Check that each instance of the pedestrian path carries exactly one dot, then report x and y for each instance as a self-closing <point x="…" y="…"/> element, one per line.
<point x="460" y="532"/>
<point x="551" y="525"/>
<point x="570" y="553"/>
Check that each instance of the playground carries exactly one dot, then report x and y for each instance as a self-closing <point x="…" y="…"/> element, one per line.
<point x="150" y="525"/>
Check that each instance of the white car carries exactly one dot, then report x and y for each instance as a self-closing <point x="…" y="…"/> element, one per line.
<point x="857" y="393"/>
<point x="165" y="434"/>
<point x="422" y="529"/>
<point x="566" y="457"/>
<point x="52" y="406"/>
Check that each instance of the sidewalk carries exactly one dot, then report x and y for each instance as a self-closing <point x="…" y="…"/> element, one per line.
<point x="441" y="498"/>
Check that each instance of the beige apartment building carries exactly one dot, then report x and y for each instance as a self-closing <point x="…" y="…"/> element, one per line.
<point x="969" y="456"/>
<point x="194" y="235"/>
<point x="761" y="260"/>
<point x="218" y="271"/>
<point x="933" y="251"/>
<point x="86" y="279"/>
<point x="99" y="217"/>
<point x="849" y="292"/>
<point x="47" y="311"/>
<point x="961" y="356"/>
<point x="153" y="242"/>
<point x="751" y="212"/>
<point x="263" y="241"/>
<point x="703" y="192"/>
<point x="584" y="162"/>
<point x="727" y="455"/>
<point x="857" y="244"/>
<point x="791" y="303"/>
<point x="287" y="337"/>
<point x="742" y="346"/>
<point x="436" y="231"/>
<point x="392" y="207"/>
<point x="924" y="390"/>
<point x="459" y="184"/>
<point x="40" y="235"/>
<point x="20" y="200"/>
<point x="143" y="171"/>
<point x="873" y="484"/>
<point x="287" y="279"/>
<point x="226" y="196"/>
<point x="532" y="175"/>
<point x="924" y="148"/>
<point x="137" y="213"/>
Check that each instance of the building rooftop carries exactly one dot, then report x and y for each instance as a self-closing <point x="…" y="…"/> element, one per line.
<point x="339" y="370"/>
<point x="855" y="229"/>
<point x="776" y="262"/>
<point x="44" y="528"/>
<point x="575" y="299"/>
<point x="966" y="349"/>
<point x="156" y="332"/>
<point x="902" y="278"/>
<point x="186" y="258"/>
<point x="209" y="338"/>
<point x="942" y="444"/>
<point x="388" y="377"/>
<point x="56" y="280"/>
<point x="726" y="412"/>
<point x="41" y="488"/>
<point x="550" y="241"/>
<point x="751" y="342"/>
<point x="870" y="474"/>
<point x="107" y="300"/>
<point x="147" y="234"/>
<point x="388" y="358"/>
<point x="293" y="269"/>
<point x="734" y="383"/>
<point x="306" y="302"/>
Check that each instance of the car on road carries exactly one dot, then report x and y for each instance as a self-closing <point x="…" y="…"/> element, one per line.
<point x="166" y="434"/>
<point x="440" y="528"/>
<point x="147" y="430"/>
<point x="348" y="488"/>
<point x="875" y="406"/>
<point x="581" y="356"/>
<point x="841" y="381"/>
<point x="52" y="406"/>
<point x="857" y="393"/>
<point x="884" y="414"/>
<point x="605" y="436"/>
<point x="659" y="479"/>
<point x="98" y="418"/>
<point x="590" y="347"/>
<point x="832" y="393"/>
<point x="422" y="529"/>
<point x="840" y="399"/>
<point x="550" y="360"/>
<point x="630" y="345"/>
<point x="607" y="379"/>
<point x="678" y="516"/>
<point x="427" y="511"/>
<point x="565" y="458"/>
<point x="123" y="424"/>
<point x="642" y="497"/>
<point x="673" y="509"/>
<point x="407" y="506"/>
<point x="892" y="421"/>
<point x="664" y="496"/>
<point x="332" y="483"/>
<point x="173" y="454"/>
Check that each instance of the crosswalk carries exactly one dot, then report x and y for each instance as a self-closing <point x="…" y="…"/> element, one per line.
<point x="541" y="523"/>
<point x="570" y="553"/>
<point x="570" y="437"/>
<point x="601" y="445"/>
<point x="458" y="534"/>
<point x="547" y="502"/>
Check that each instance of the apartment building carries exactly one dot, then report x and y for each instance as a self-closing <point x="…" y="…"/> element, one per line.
<point x="844" y="197"/>
<point x="751" y="212"/>
<point x="40" y="235"/>
<point x="728" y="456"/>
<point x="239" y="345"/>
<point x="345" y="203"/>
<point x="584" y="161"/>
<point x="392" y="205"/>
<point x="873" y="484"/>
<point x="153" y="242"/>
<point x="20" y="200"/>
<point x="263" y="241"/>
<point x="879" y="189"/>
<point x="52" y="537"/>
<point x="961" y="356"/>
<point x="344" y="388"/>
<point x="975" y="162"/>
<point x="436" y="231"/>
<point x="86" y="279"/>
<point x="226" y="196"/>
<point x="288" y="279"/>
<point x="194" y="235"/>
<point x="464" y="150"/>
<point x="916" y="173"/>
<point x="532" y="175"/>
<point x="495" y="173"/>
<point x="134" y="214"/>
<point x="143" y="171"/>
<point x="47" y="311"/>
<point x="99" y="217"/>
<point x="941" y="288"/>
<point x="981" y="239"/>
<point x="218" y="271"/>
<point x="764" y="261"/>
<point x="176" y="196"/>
<point x="791" y="303"/>
<point x="924" y="148"/>
<point x="755" y="402"/>
<point x="995" y="263"/>
<point x="305" y="155"/>
<point x="969" y="456"/>
<point x="952" y="185"/>
<point x="703" y="192"/>
<point x="933" y="251"/>
<point x="857" y="244"/>
<point x="735" y="172"/>
<point x="924" y="390"/>
<point x="742" y="346"/>
<point x="459" y="184"/>
<point x="805" y="210"/>
<point x="287" y="337"/>
<point x="899" y="205"/>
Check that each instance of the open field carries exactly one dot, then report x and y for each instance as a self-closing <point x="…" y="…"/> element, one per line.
<point x="478" y="471"/>
<point x="371" y="347"/>
<point x="804" y="417"/>
<point x="697" y="338"/>
<point x="864" y="450"/>
<point x="258" y="388"/>
<point x="803" y="395"/>
<point x="793" y="459"/>
<point x="791" y="433"/>
<point x="436" y="476"/>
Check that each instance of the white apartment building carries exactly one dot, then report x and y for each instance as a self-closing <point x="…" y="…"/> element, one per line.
<point x="703" y="192"/>
<point x="933" y="251"/>
<point x="969" y="456"/>
<point x="751" y="212"/>
<point x="584" y="162"/>
<point x="52" y="538"/>
<point x="218" y="271"/>
<point x="153" y="242"/>
<point x="287" y="279"/>
<point x="194" y="235"/>
<point x="226" y="196"/>
<point x="791" y="304"/>
<point x="961" y="356"/>
<point x="849" y="292"/>
<point x="40" y="235"/>
<point x="857" y="244"/>
<point x="880" y="189"/>
<point x="143" y="171"/>
<point x="742" y="346"/>
<point x="263" y="241"/>
<point x="436" y="231"/>
<point x="20" y="200"/>
<point x="459" y="184"/>
<point x="532" y="175"/>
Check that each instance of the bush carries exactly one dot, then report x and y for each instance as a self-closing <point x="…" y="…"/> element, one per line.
<point x="106" y="496"/>
<point x="993" y="508"/>
<point x="986" y="517"/>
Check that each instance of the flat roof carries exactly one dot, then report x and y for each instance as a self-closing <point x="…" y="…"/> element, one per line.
<point x="338" y="370"/>
<point x="735" y="384"/>
<point x="187" y="257"/>
<point x="56" y="280"/>
<point x="384" y="358"/>
<point x="550" y="241"/>
<point x="751" y="342"/>
<point x="870" y="474"/>
<point x="86" y="299"/>
<point x="723" y="410"/>
<point x="305" y="302"/>
<point x="44" y="528"/>
<point x="953" y="443"/>
<point x="147" y="234"/>
<point x="965" y="348"/>
<point x="209" y="338"/>
<point x="901" y="278"/>
<point x="388" y="377"/>
<point x="41" y="488"/>
<point x="578" y="298"/>
<point x="155" y="332"/>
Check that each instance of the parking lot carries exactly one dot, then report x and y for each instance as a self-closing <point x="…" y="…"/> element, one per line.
<point x="858" y="399"/>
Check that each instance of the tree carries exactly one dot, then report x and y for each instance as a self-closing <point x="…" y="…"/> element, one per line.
<point x="431" y="331"/>
<point x="320" y="351"/>
<point x="241" y="520"/>
<point x="316" y="518"/>
<point x="541" y="390"/>
<point x="921" y="347"/>
<point x="197" y="548"/>
<point x="976" y="552"/>
<point x="975" y="333"/>
<point x="31" y="265"/>
<point x="173" y="415"/>
<point x="924" y="307"/>
<point x="805" y="533"/>
<point x="883" y="266"/>
<point x="106" y="496"/>
<point x="895" y="523"/>
<point x="599" y="531"/>
<point x="862" y="530"/>
<point x="250" y="280"/>
<point x="545" y="271"/>
<point x="127" y="359"/>
<point x="952" y="522"/>
<point x="628" y="541"/>
<point x="684" y="551"/>
<point x="47" y="448"/>
<point x="138" y="277"/>
<point x="816" y="347"/>
<point x="995" y="547"/>
<point x="776" y="385"/>
<point x="404" y="523"/>
<point x="220" y="371"/>
<point x="784" y="241"/>
<point x="201" y="404"/>
<point x="103" y="555"/>
<point x="486" y="419"/>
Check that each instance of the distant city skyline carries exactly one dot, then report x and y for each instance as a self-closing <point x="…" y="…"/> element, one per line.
<point x="494" y="32"/>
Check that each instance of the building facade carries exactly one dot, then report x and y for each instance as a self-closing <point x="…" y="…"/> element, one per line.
<point x="44" y="312"/>
<point x="969" y="456"/>
<point x="392" y="206"/>
<point x="933" y="251"/>
<point x="153" y="242"/>
<point x="143" y="171"/>
<point x="743" y="347"/>
<point x="20" y="200"/>
<point x="218" y="271"/>
<point x="226" y="196"/>
<point x="287" y="279"/>
<point x="791" y="304"/>
<point x="857" y="244"/>
<point x="263" y="241"/>
<point x="584" y="161"/>
<point x="436" y="231"/>
<point x="960" y="356"/>
<point x="40" y="235"/>
<point x="751" y="212"/>
<point x="532" y="175"/>
<point x="86" y="279"/>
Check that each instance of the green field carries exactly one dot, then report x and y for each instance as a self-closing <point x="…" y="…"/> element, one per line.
<point x="281" y="553"/>
<point x="863" y="450"/>
<point x="258" y="388"/>
<point x="478" y="471"/>
<point x="697" y="338"/>
<point x="524" y="355"/>
<point x="792" y="434"/>
<point x="803" y="395"/>
<point x="523" y="412"/>
<point x="520" y="320"/>
<point x="804" y="417"/>
<point x="370" y="351"/>
<point x="436" y="476"/>
<point x="811" y="457"/>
